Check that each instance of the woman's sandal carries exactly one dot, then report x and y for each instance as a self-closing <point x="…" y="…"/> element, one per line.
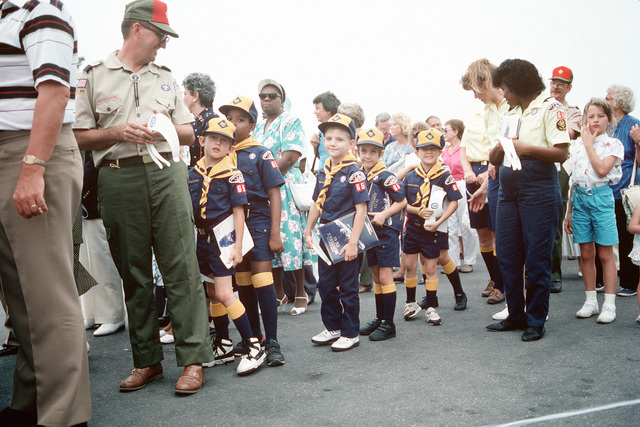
<point x="282" y="302"/>
<point x="296" y="311"/>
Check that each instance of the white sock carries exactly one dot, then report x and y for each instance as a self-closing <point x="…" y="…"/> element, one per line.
<point x="592" y="296"/>
<point x="609" y="299"/>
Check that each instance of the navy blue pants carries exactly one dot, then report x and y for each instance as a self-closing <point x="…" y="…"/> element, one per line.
<point x="340" y="309"/>
<point x="529" y="205"/>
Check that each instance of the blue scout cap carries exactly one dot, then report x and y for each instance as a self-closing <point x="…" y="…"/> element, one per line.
<point x="371" y="137"/>
<point x="340" y="120"/>
<point x="431" y="137"/>
<point x="243" y="103"/>
<point x="222" y="127"/>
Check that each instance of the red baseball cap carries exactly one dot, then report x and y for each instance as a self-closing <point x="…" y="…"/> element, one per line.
<point x="562" y="73"/>
<point x="152" y="11"/>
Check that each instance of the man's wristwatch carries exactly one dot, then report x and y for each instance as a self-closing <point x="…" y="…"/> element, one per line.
<point x="33" y="160"/>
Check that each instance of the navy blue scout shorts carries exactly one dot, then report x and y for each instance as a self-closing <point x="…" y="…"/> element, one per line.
<point x="209" y="258"/>
<point x="418" y="240"/>
<point x="259" y="225"/>
<point x="387" y="253"/>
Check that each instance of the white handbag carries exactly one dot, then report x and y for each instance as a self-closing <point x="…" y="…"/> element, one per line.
<point x="631" y="194"/>
<point x="303" y="193"/>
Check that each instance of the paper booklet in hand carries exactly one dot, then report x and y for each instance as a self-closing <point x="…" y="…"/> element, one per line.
<point x="510" y="129"/>
<point x="438" y="203"/>
<point x="225" y="234"/>
<point x="336" y="234"/>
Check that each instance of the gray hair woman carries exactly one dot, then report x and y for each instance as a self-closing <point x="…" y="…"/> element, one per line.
<point x="627" y="130"/>
<point x="199" y="93"/>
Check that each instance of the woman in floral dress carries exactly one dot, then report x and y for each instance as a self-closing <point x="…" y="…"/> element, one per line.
<point x="282" y="133"/>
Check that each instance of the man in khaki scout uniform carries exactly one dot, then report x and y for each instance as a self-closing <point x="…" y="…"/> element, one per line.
<point x="559" y="87"/>
<point x="143" y="206"/>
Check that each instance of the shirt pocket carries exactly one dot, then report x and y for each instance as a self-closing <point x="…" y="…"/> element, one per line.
<point x="165" y="105"/>
<point x="109" y="106"/>
<point x="412" y="194"/>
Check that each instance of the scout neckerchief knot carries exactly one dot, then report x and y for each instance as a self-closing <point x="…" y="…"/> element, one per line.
<point x="223" y="169"/>
<point x="243" y="145"/>
<point x="330" y="173"/>
<point x="376" y="170"/>
<point x="425" y="189"/>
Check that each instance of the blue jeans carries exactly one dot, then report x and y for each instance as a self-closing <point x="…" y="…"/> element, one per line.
<point x="529" y="205"/>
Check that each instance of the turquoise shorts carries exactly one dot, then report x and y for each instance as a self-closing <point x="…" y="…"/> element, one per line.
<point x="593" y="216"/>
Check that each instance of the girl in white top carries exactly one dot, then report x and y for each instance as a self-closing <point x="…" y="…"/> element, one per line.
<point x="595" y="161"/>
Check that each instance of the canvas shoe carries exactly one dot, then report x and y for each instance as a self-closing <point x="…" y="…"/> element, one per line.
<point x="411" y="310"/>
<point x="222" y="352"/>
<point x="274" y="354"/>
<point x="344" y="344"/>
<point x="433" y="317"/>
<point x="608" y="313"/>
<point x="325" y="337"/>
<point x="623" y="292"/>
<point x="590" y="308"/>
<point x="252" y="358"/>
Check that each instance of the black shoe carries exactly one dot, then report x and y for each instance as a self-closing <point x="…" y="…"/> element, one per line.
<point x="556" y="287"/>
<point x="274" y="355"/>
<point x="370" y="327"/>
<point x="461" y="302"/>
<point x="534" y="333"/>
<point x="8" y="350"/>
<point x="423" y="303"/>
<point x="505" y="325"/>
<point x="384" y="332"/>
<point x="11" y="417"/>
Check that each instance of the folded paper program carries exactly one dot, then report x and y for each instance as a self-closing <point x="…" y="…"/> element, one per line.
<point x="162" y="124"/>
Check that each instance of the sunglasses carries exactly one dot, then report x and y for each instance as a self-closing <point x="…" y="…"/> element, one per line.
<point x="164" y="37"/>
<point x="271" y="96"/>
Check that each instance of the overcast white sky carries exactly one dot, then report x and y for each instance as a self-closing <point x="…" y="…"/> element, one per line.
<point x="394" y="56"/>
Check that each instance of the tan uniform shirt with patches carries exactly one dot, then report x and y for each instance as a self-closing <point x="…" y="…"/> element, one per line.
<point x="543" y="123"/>
<point x="574" y="117"/>
<point x="479" y="146"/>
<point x="105" y="98"/>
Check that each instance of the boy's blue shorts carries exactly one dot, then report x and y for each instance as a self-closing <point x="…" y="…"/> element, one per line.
<point x="593" y="217"/>
<point x="418" y="240"/>
<point x="387" y="253"/>
<point x="259" y="225"/>
<point x="209" y="258"/>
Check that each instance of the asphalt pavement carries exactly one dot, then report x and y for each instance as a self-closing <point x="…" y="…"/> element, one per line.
<point x="454" y="374"/>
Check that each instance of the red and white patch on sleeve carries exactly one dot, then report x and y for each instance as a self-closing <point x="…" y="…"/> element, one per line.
<point x="274" y="164"/>
<point x="455" y="186"/>
<point x="561" y="115"/>
<point x="395" y="187"/>
<point x="360" y="186"/>
<point x="241" y="188"/>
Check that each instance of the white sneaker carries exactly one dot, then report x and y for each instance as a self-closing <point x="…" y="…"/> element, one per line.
<point x="433" y="317"/>
<point x="325" y="337"/>
<point x="608" y="313"/>
<point x="222" y="352"/>
<point x="501" y="315"/>
<point x="344" y="344"/>
<point x="638" y="319"/>
<point x="89" y="347"/>
<point x="590" y="308"/>
<point x="411" y="310"/>
<point x="252" y="358"/>
<point x="168" y="339"/>
<point x="108" y="329"/>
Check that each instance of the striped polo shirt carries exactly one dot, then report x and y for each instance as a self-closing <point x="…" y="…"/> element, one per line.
<point x="37" y="43"/>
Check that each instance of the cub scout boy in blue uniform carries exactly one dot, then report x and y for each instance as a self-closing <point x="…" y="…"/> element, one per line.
<point x="386" y="204"/>
<point x="217" y="190"/>
<point x="429" y="239"/>
<point x="263" y="181"/>
<point x="341" y="189"/>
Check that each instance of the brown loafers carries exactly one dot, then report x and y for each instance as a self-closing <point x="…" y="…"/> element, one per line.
<point x="191" y="380"/>
<point x="140" y="377"/>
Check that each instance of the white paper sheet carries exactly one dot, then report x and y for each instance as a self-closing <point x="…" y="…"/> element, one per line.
<point x="225" y="235"/>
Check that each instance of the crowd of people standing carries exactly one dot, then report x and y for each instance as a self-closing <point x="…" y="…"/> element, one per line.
<point x="506" y="184"/>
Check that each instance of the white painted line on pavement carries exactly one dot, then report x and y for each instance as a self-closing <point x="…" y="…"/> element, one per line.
<point x="571" y="413"/>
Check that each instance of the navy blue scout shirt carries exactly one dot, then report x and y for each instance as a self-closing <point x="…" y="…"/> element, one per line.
<point x="199" y="125"/>
<point x="260" y="171"/>
<point x="384" y="189"/>
<point x="214" y="193"/>
<point x="412" y="183"/>
<point x="347" y="189"/>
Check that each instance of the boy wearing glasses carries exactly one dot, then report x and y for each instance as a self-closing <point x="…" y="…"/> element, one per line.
<point x="386" y="209"/>
<point x="341" y="189"/>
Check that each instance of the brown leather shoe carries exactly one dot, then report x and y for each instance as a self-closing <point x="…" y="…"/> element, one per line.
<point x="488" y="289"/>
<point x="191" y="380"/>
<point x="140" y="377"/>
<point x="496" y="297"/>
